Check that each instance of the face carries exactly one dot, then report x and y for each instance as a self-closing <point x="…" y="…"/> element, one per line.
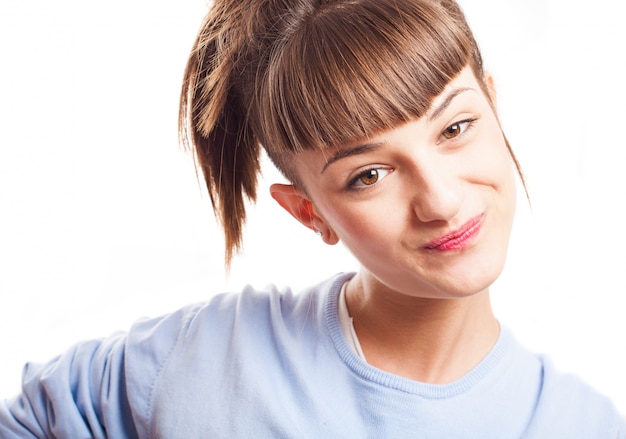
<point x="426" y="207"/>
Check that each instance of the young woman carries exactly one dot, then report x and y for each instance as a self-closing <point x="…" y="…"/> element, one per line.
<point x="382" y="118"/>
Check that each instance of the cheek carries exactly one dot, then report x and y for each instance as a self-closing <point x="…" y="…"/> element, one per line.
<point x="491" y="163"/>
<point x="502" y="174"/>
<point x="363" y="224"/>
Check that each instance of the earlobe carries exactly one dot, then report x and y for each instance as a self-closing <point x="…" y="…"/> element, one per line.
<point x="301" y="208"/>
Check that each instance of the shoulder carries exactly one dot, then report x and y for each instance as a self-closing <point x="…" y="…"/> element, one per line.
<point x="569" y="407"/>
<point x="224" y="310"/>
<point x="251" y="307"/>
<point x="198" y="340"/>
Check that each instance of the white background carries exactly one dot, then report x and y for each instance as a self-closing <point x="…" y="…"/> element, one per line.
<point x="102" y="220"/>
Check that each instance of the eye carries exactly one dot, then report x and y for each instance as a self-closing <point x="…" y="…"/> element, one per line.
<point x="457" y="129"/>
<point x="369" y="177"/>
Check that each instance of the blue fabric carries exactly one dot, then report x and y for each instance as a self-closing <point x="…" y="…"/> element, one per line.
<point x="270" y="364"/>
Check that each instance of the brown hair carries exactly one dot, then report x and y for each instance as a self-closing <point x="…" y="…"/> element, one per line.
<point x="290" y="75"/>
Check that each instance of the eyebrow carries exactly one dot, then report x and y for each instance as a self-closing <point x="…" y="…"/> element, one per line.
<point x="347" y="152"/>
<point x="367" y="147"/>
<point x="435" y="112"/>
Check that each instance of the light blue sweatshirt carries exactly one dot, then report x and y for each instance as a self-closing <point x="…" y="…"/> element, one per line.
<point x="271" y="364"/>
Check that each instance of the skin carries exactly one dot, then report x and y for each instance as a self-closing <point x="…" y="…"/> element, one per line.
<point x="420" y="310"/>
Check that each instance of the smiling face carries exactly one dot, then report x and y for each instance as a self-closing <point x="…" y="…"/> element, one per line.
<point x="426" y="207"/>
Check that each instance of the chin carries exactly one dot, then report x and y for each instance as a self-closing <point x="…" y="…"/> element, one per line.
<point x="479" y="285"/>
<point x="471" y="282"/>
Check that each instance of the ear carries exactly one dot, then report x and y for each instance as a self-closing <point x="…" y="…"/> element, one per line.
<point x="491" y="87"/>
<point x="301" y="208"/>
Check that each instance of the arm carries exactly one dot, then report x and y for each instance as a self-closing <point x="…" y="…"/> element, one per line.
<point x="97" y="389"/>
<point x="81" y="394"/>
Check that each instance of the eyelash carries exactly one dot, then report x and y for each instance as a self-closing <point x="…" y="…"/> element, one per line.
<point x="352" y="185"/>
<point x="469" y="125"/>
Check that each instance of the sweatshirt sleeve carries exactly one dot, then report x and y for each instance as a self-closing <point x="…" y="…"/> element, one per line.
<point x="80" y="394"/>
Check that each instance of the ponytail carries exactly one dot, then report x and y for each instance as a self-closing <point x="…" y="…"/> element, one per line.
<point x="292" y="75"/>
<point x="213" y="121"/>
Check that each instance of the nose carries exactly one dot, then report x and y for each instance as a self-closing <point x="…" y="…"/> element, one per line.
<point x="437" y="193"/>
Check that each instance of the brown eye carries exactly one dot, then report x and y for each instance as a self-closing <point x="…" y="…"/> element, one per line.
<point x="452" y="131"/>
<point x="369" y="177"/>
<point x="457" y="129"/>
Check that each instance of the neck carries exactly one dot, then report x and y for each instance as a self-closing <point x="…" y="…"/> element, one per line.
<point x="429" y="340"/>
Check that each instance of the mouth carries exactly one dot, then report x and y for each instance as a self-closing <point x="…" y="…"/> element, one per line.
<point x="458" y="239"/>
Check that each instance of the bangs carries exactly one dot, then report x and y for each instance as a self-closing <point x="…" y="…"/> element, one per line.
<point x="353" y="69"/>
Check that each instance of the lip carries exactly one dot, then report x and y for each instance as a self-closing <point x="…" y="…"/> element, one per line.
<point x="458" y="239"/>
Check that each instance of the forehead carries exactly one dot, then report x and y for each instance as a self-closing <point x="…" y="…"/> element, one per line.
<point x="310" y="164"/>
<point x="465" y="82"/>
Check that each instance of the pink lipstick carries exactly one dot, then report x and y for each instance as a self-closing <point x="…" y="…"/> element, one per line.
<point x="458" y="239"/>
